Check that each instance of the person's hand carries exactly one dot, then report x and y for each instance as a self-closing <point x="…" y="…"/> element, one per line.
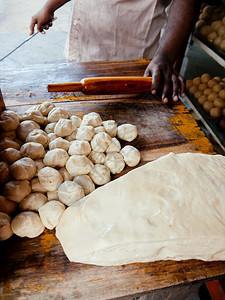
<point x="43" y="19"/>
<point x="165" y="79"/>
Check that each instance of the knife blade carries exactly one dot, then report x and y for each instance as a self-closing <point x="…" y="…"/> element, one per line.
<point x="26" y="40"/>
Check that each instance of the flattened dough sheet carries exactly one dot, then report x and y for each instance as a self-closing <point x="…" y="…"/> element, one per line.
<point x="171" y="208"/>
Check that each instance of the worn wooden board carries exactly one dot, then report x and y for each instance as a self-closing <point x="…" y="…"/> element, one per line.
<point x="38" y="268"/>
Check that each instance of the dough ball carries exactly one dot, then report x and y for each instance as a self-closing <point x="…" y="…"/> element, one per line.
<point x="35" y="116"/>
<point x="64" y="127"/>
<point x="49" y="128"/>
<point x="72" y="136"/>
<point x="52" y="136"/>
<point x="217" y="88"/>
<point x="218" y="41"/>
<point x="212" y="96"/>
<point x="196" y="81"/>
<point x="65" y="174"/>
<point x="131" y="155"/>
<point x="33" y="202"/>
<point x="36" y="187"/>
<point x="92" y="119"/>
<point x="59" y="143"/>
<point x="127" y="132"/>
<point x="208" y="105"/>
<point x="16" y="190"/>
<point x="52" y="195"/>
<point x="7" y="143"/>
<point x="32" y="150"/>
<point x="69" y="192"/>
<point x="46" y="107"/>
<point x="25" y="128"/>
<point x="39" y="165"/>
<point x="211" y="83"/>
<point x="99" y="129"/>
<point x="56" y="158"/>
<point x="7" y="206"/>
<point x="115" y="162"/>
<point x="38" y="136"/>
<point x="79" y="147"/>
<point x="33" y="108"/>
<point x="101" y="141"/>
<point x="207" y="91"/>
<point x="202" y="99"/>
<point x="97" y="157"/>
<point x="211" y="36"/>
<point x="222" y="94"/>
<point x="110" y="127"/>
<point x="193" y="89"/>
<point x="215" y="112"/>
<point x="188" y="84"/>
<point x="9" y="120"/>
<point x="100" y="174"/>
<point x="205" y="78"/>
<point x="23" y="169"/>
<point x="85" y="182"/>
<point x="197" y="94"/>
<point x="221" y="30"/>
<point x="205" y="30"/>
<point x="85" y="133"/>
<point x="27" y="224"/>
<point x="4" y="171"/>
<point x="5" y="227"/>
<point x="8" y="134"/>
<point x="10" y="155"/>
<point x="219" y="103"/>
<point x="50" y="213"/>
<point x="50" y="178"/>
<point x="57" y="113"/>
<point x="216" y="24"/>
<point x="202" y="86"/>
<point x="76" y="121"/>
<point x="79" y="165"/>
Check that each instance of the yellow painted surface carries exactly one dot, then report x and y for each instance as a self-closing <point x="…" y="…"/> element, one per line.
<point x="183" y="123"/>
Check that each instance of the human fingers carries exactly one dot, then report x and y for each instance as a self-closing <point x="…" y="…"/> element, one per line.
<point x="182" y="85"/>
<point x="166" y="88"/>
<point x="32" y="25"/>
<point x="176" y="87"/>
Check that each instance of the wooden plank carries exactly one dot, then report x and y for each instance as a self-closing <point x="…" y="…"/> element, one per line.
<point x="41" y="269"/>
<point x="38" y="268"/>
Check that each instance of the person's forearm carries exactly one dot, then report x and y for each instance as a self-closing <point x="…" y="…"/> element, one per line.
<point x="182" y="17"/>
<point x="52" y="5"/>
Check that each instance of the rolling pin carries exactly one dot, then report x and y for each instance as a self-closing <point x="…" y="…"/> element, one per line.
<point x="105" y="85"/>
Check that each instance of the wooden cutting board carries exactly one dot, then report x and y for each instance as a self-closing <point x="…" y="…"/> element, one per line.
<point x="38" y="268"/>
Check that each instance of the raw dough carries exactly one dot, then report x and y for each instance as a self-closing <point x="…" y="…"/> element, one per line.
<point x="50" y="213"/>
<point x="171" y="208"/>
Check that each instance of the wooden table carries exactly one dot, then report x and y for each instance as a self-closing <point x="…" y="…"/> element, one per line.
<point x="38" y="268"/>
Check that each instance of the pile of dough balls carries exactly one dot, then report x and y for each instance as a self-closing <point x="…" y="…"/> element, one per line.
<point x="211" y="25"/>
<point x="49" y="159"/>
<point x="210" y="94"/>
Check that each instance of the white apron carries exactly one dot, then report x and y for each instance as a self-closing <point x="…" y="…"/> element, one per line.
<point x="115" y="29"/>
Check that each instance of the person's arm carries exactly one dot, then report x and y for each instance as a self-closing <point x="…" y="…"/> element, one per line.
<point x="45" y="16"/>
<point x="164" y="67"/>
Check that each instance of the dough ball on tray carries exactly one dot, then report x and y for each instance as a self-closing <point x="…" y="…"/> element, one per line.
<point x="23" y="169"/>
<point x="50" y="178"/>
<point x="69" y="192"/>
<point x="50" y="213"/>
<point x="5" y="227"/>
<point x="27" y="224"/>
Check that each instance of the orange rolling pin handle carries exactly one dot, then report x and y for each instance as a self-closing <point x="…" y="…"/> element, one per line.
<point x="105" y="85"/>
<point x="116" y="85"/>
<point x="65" y="87"/>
